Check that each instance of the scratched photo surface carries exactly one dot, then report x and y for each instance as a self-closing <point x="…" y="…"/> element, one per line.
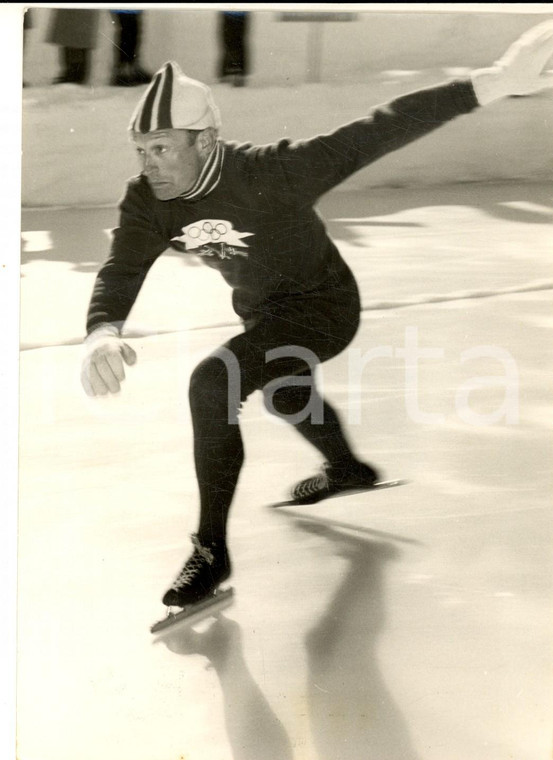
<point x="330" y="269"/>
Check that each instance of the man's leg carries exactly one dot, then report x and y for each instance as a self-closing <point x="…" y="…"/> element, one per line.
<point x="224" y="380"/>
<point x="218" y="449"/>
<point x="302" y="339"/>
<point x="324" y="325"/>
<point x="342" y="469"/>
<point x="217" y="388"/>
<point x="218" y="458"/>
<point x="127" y="71"/>
<point x="325" y="434"/>
<point x="128" y="36"/>
<point x="75" y="63"/>
<point x="302" y="334"/>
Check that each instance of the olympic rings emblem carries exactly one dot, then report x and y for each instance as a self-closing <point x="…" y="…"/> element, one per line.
<point x="207" y="232"/>
<point x="211" y="232"/>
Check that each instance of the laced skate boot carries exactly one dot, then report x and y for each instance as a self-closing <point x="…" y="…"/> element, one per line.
<point x="202" y="573"/>
<point x="334" y="479"/>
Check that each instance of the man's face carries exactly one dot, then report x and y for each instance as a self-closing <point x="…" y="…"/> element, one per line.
<point x="170" y="164"/>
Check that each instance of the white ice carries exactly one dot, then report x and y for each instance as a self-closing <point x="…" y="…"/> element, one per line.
<point x="408" y="623"/>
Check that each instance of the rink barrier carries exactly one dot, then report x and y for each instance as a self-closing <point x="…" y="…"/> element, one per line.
<point x="460" y="296"/>
<point x="371" y="306"/>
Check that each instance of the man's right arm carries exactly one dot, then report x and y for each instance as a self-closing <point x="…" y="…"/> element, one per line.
<point x="137" y="243"/>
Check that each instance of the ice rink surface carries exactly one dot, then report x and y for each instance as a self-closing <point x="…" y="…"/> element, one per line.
<point x="411" y="623"/>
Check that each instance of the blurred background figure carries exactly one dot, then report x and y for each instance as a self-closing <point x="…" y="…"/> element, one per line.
<point x="75" y="31"/>
<point x="127" y="71"/>
<point x="234" y="62"/>
<point x="27" y="24"/>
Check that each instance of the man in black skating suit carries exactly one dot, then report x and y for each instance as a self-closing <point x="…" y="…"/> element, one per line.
<point x="248" y="212"/>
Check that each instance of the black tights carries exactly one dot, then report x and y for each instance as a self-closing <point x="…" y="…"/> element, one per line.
<point x="222" y="382"/>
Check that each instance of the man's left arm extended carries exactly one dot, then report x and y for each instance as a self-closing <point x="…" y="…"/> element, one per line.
<point x="309" y="168"/>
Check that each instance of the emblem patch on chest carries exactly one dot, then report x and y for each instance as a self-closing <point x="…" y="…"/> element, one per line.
<point x="211" y="237"/>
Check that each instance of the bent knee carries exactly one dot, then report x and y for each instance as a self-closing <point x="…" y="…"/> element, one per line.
<point x="288" y="400"/>
<point x="215" y="382"/>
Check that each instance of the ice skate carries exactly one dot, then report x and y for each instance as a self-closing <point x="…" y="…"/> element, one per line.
<point x="193" y="613"/>
<point x="334" y="481"/>
<point x="196" y="588"/>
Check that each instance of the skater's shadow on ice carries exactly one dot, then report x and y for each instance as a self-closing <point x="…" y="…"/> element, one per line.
<point x="352" y="713"/>
<point x="253" y="730"/>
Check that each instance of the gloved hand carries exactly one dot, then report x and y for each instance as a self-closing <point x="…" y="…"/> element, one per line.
<point x="102" y="369"/>
<point x="521" y="70"/>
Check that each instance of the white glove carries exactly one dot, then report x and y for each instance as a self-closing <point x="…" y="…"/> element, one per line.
<point x="521" y="70"/>
<point x="102" y="369"/>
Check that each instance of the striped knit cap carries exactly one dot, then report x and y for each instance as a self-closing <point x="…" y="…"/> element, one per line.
<point x="174" y="101"/>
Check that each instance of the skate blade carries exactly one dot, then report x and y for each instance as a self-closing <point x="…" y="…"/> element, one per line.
<point x="194" y="613"/>
<point x="350" y="492"/>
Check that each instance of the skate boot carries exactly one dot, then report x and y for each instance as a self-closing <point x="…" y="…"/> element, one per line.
<point x="334" y="479"/>
<point x="201" y="575"/>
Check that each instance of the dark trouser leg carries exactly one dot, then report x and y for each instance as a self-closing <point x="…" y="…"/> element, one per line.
<point x="234" y="59"/>
<point x="127" y="70"/>
<point x="75" y="62"/>
<point x="129" y="23"/>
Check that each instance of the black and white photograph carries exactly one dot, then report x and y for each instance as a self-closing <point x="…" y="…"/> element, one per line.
<point x="277" y="424"/>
